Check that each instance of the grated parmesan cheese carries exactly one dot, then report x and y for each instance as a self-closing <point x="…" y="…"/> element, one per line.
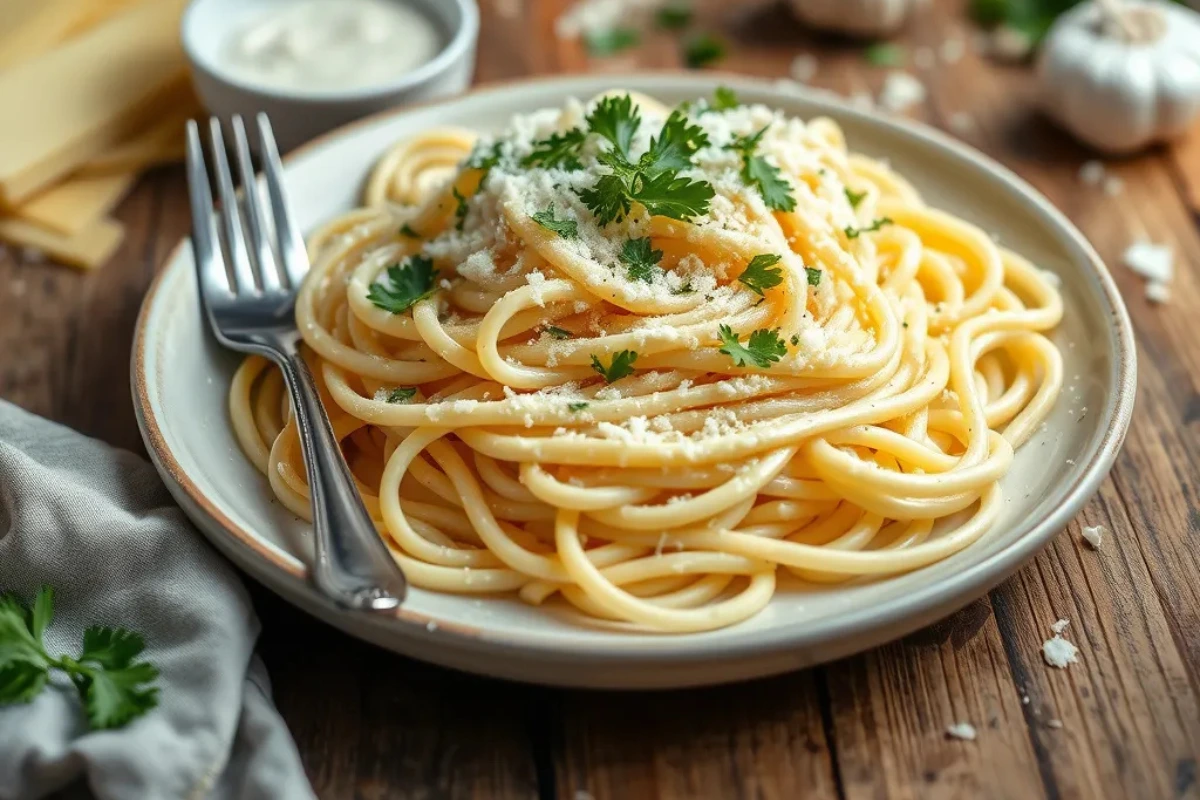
<point x="1054" y="723"/>
<point x="1093" y="535"/>
<point x="803" y="68"/>
<point x="961" y="730"/>
<point x="1091" y="173"/>
<point x="1158" y="292"/>
<point x="1153" y="261"/>
<point x="901" y="91"/>
<point x="1057" y="651"/>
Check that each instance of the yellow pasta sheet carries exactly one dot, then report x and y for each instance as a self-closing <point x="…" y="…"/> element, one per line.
<point x="88" y="248"/>
<point x="104" y="85"/>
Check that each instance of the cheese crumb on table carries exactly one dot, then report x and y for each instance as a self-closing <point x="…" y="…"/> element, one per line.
<point x="1113" y="185"/>
<point x="1057" y="651"/>
<point x="1091" y="173"/>
<point x="804" y="67"/>
<point x="1094" y="534"/>
<point x="961" y="122"/>
<point x="1150" y="260"/>
<point x="1054" y="723"/>
<point x="1158" y="292"/>
<point x="961" y="730"/>
<point x="901" y="91"/>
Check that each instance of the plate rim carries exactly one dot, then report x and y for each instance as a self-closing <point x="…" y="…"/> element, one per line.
<point x="927" y="602"/>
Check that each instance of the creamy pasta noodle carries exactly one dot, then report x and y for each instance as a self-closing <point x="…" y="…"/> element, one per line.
<point x="641" y="361"/>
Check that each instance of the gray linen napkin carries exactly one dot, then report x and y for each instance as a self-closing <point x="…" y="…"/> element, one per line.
<point x="98" y="525"/>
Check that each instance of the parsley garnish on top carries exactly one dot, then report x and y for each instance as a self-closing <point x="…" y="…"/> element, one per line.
<point x="762" y="349"/>
<point x="566" y="228"/>
<point x="653" y="180"/>
<point x="407" y="230"/>
<point x="641" y="259"/>
<point x="761" y="273"/>
<point x="401" y="394"/>
<point x="484" y="158"/>
<point x="853" y="233"/>
<point x="460" y="211"/>
<point x="557" y="332"/>
<point x="113" y="687"/>
<point x="814" y="276"/>
<point x="757" y="171"/>
<point x="406" y="285"/>
<point x="557" y="150"/>
<point x="854" y="197"/>
<point x="724" y="98"/>
<point x="577" y="406"/>
<point x="621" y="366"/>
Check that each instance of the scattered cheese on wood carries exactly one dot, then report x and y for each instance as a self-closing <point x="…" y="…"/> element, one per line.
<point x="105" y="83"/>
<point x="1153" y="261"/>
<point x="88" y="249"/>
<point x="1091" y="173"/>
<point x="600" y="16"/>
<point x="804" y="67"/>
<point x="961" y="122"/>
<point x="75" y="204"/>
<point x="901" y="91"/>
<point x="1113" y="185"/>
<point x="952" y="50"/>
<point x="1094" y="534"/>
<point x="961" y="730"/>
<point x="1054" y="723"/>
<point x="1158" y="292"/>
<point x="1057" y="651"/>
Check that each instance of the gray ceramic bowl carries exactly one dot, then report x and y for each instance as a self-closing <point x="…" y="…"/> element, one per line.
<point x="298" y="116"/>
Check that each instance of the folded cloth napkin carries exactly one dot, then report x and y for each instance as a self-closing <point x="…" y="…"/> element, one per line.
<point x="96" y="524"/>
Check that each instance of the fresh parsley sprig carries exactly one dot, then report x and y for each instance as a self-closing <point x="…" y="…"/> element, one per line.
<point x="653" y="180"/>
<point x="724" y="99"/>
<point x="641" y="259"/>
<point x="113" y="687"/>
<point x="703" y="49"/>
<point x="853" y="197"/>
<point x="762" y="349"/>
<point x="557" y="332"/>
<point x="853" y="233"/>
<point x="758" y="172"/>
<point x="409" y="231"/>
<point x="557" y="150"/>
<point x="460" y="210"/>
<point x="620" y="366"/>
<point x="814" y="276"/>
<point x="402" y="394"/>
<point x="566" y="228"/>
<point x="406" y="285"/>
<point x="761" y="273"/>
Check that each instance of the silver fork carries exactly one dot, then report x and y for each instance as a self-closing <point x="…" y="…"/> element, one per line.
<point x="252" y="311"/>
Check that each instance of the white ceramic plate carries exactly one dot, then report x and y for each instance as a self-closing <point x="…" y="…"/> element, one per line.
<point x="180" y="378"/>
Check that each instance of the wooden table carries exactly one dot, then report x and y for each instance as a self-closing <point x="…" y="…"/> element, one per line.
<point x="373" y="725"/>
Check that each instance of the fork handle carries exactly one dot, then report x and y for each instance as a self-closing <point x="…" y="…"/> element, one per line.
<point x="352" y="565"/>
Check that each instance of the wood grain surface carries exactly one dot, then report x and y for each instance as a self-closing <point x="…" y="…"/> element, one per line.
<point x="1122" y="723"/>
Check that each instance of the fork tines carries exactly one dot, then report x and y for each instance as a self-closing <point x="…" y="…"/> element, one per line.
<point x="225" y="262"/>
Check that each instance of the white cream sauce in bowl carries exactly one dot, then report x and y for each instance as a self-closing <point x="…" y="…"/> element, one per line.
<point x="313" y="65"/>
<point x="327" y="45"/>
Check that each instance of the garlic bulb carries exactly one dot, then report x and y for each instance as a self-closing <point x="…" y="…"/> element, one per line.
<point x="1122" y="75"/>
<point x="855" y="17"/>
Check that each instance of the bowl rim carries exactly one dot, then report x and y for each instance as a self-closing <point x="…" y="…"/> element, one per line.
<point x="462" y="40"/>
<point x="929" y="602"/>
